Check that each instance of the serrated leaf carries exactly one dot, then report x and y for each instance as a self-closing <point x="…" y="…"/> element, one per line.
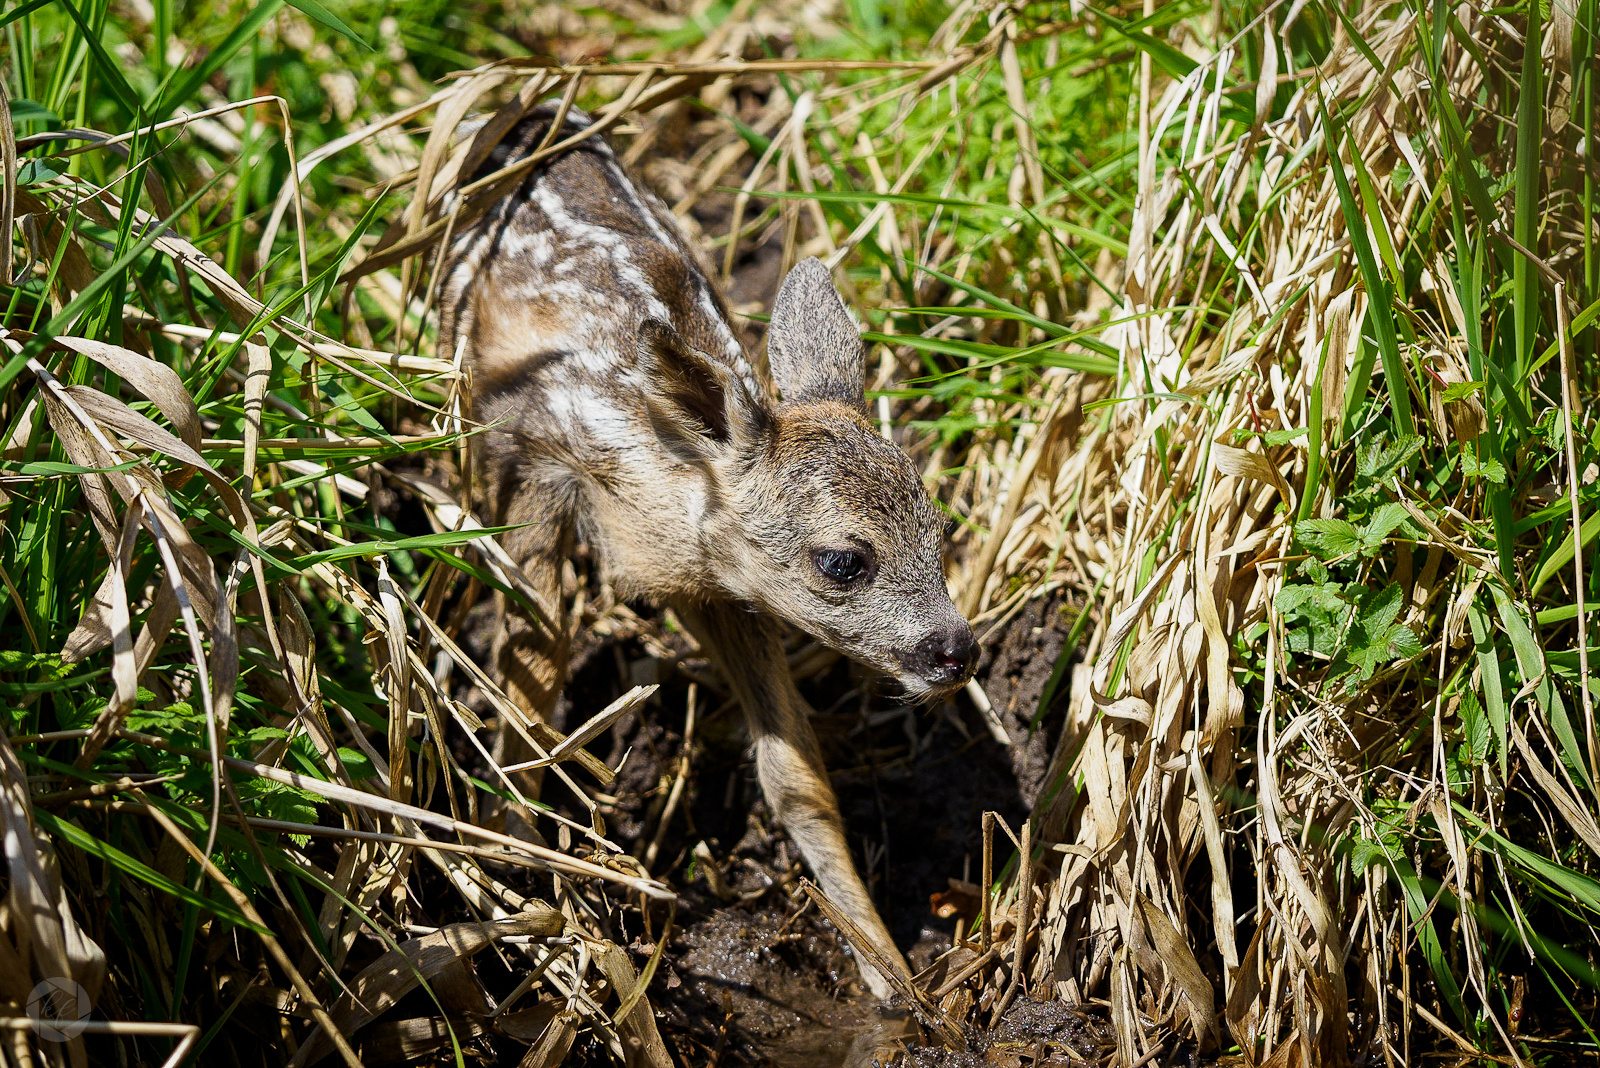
<point x="1329" y="538"/>
<point x="1490" y="470"/>
<point x="1283" y="437"/>
<point x="1375" y="639"/>
<point x="1317" y="615"/>
<point x="1476" y="731"/>
<point x="1458" y="391"/>
<point x="1382" y="523"/>
<point x="1380" y="609"/>
<point x="1364" y="853"/>
<point x="1378" y="460"/>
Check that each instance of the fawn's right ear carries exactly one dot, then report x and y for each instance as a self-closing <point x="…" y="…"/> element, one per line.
<point x="813" y="346"/>
<point x="697" y="404"/>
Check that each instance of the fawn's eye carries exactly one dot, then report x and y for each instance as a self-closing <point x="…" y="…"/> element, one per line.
<point x="841" y="565"/>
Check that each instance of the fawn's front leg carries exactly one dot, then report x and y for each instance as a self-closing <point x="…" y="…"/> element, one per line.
<point x="530" y="661"/>
<point x="749" y="653"/>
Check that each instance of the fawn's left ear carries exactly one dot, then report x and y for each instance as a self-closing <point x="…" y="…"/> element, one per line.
<point x="813" y="345"/>
<point x="697" y="404"/>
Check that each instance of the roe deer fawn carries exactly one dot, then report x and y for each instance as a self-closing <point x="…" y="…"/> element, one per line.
<point x="624" y="414"/>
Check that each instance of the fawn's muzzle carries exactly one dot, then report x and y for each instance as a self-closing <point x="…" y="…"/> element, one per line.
<point x="946" y="657"/>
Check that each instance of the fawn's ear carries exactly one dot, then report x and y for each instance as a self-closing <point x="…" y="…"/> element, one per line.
<point x="697" y="404"/>
<point x="813" y="345"/>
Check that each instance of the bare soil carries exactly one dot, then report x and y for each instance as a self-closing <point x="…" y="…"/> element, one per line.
<point x="753" y="976"/>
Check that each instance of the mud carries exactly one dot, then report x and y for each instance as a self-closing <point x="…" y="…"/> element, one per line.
<point x="760" y="979"/>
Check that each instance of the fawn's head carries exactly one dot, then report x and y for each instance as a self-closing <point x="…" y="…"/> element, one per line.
<point x="808" y="512"/>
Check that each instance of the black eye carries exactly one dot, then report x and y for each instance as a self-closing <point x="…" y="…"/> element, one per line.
<point x="841" y="565"/>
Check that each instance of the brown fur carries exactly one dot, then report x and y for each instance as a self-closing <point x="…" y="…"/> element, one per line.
<point x="624" y="413"/>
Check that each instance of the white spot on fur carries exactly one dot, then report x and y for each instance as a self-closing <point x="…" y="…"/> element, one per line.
<point x="600" y="237"/>
<point x="531" y="246"/>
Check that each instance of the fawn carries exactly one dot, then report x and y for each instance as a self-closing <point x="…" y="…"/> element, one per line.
<point x="623" y="414"/>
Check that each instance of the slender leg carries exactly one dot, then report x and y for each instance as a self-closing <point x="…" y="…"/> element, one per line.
<point x="750" y="656"/>
<point x="531" y="663"/>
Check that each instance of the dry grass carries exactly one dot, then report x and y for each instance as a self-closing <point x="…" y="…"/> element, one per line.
<point x="1306" y="838"/>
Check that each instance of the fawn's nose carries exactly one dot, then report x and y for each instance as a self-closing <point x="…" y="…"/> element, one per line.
<point x="948" y="655"/>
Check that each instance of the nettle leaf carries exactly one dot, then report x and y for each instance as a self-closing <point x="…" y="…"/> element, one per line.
<point x="1553" y="429"/>
<point x="49" y="663"/>
<point x="1329" y="538"/>
<point x="1379" y="459"/>
<point x="1364" y="852"/>
<point x="1459" y="391"/>
<point x="1375" y="639"/>
<point x="1476" y="730"/>
<point x="1383" y="522"/>
<point x="1283" y="437"/>
<point x="1491" y="470"/>
<point x="174" y="719"/>
<point x="78" y="716"/>
<point x="1317" y="615"/>
<point x="281" y="802"/>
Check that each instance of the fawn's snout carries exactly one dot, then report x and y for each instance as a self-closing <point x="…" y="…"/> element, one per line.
<point x="945" y="658"/>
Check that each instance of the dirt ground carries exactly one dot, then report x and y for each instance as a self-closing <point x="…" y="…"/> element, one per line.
<point x="750" y="975"/>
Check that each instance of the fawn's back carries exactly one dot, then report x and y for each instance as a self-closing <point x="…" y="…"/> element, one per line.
<point x="548" y="294"/>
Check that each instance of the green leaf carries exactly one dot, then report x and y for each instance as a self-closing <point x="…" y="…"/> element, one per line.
<point x="329" y="19"/>
<point x="1364" y="852"/>
<point x="1420" y="907"/>
<point x="1488" y="470"/>
<point x="1318" y="615"/>
<point x="71" y="833"/>
<point x="1493" y="684"/>
<point x="1169" y="58"/>
<point x="1380" y="294"/>
<point x="1562" y="556"/>
<point x="1283" y="437"/>
<point x="50" y="468"/>
<point x="242" y="34"/>
<point x="1475" y="727"/>
<point x="28" y="111"/>
<point x="1384" y="521"/>
<point x="1458" y="391"/>
<point x="357" y="763"/>
<point x="1379" y="459"/>
<point x="1531" y="665"/>
<point x="110" y="70"/>
<point x="1578" y="887"/>
<point x="1329" y="538"/>
<point x="1376" y="639"/>
<point x="442" y="540"/>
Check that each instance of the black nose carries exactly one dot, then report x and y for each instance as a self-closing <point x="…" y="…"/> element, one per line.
<point x="948" y="655"/>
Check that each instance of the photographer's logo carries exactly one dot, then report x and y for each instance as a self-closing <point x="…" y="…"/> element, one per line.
<point x="59" y="1009"/>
